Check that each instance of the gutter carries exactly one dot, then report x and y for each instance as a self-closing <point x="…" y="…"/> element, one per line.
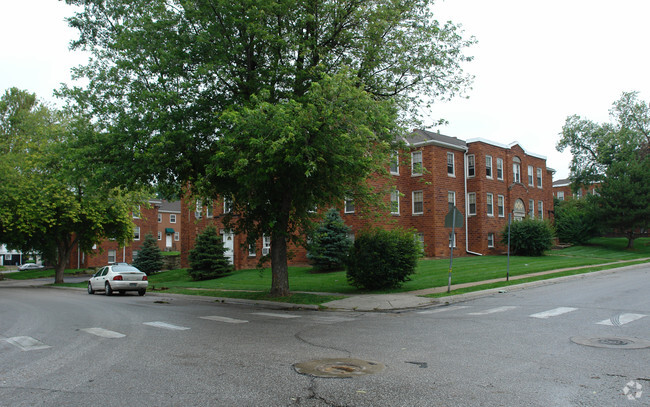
<point x="466" y="215"/>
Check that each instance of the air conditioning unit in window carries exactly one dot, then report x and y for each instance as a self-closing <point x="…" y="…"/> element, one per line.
<point x="265" y="251"/>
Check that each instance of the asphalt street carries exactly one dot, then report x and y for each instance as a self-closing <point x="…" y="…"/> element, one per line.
<point x="65" y="347"/>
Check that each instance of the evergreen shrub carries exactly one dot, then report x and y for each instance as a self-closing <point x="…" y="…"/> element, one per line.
<point x="529" y="237"/>
<point x="381" y="259"/>
<point x="330" y="244"/>
<point x="149" y="259"/>
<point x="207" y="258"/>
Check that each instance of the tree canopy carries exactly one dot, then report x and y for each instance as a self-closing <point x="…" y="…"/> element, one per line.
<point x="49" y="200"/>
<point x="279" y="105"/>
<point x="617" y="156"/>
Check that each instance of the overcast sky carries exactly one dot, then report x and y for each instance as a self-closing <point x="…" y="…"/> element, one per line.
<point x="535" y="63"/>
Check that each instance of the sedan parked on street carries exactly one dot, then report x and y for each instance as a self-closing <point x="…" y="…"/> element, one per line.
<point x="30" y="266"/>
<point x="120" y="277"/>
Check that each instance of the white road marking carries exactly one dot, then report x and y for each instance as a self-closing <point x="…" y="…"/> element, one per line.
<point x="104" y="333"/>
<point x="621" y="319"/>
<point x="443" y="309"/>
<point x="27" y="343"/>
<point x="165" y="325"/>
<point x="225" y="319"/>
<point x="493" y="310"/>
<point x="271" y="314"/>
<point x="332" y="320"/>
<point x="553" y="312"/>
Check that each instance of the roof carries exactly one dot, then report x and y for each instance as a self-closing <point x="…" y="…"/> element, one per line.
<point x="423" y="137"/>
<point x="166" y="206"/>
<point x="562" y="182"/>
<point x="506" y="146"/>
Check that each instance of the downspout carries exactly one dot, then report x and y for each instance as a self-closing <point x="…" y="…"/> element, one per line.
<point x="466" y="215"/>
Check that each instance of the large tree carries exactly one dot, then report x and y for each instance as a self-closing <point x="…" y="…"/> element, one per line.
<point x="279" y="105"/>
<point x="615" y="155"/>
<point x="49" y="199"/>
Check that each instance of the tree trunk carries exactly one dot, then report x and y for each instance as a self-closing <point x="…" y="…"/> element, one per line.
<point x="64" y="247"/>
<point x="630" y="240"/>
<point x="279" y="267"/>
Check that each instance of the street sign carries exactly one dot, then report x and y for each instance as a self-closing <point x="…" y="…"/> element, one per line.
<point x="450" y="219"/>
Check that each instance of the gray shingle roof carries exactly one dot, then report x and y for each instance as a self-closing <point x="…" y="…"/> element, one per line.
<point x="166" y="206"/>
<point x="419" y="136"/>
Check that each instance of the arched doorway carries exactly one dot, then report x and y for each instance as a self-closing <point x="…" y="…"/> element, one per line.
<point x="519" y="211"/>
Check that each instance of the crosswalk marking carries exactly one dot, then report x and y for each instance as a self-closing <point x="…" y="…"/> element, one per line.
<point x="332" y="320"/>
<point x="271" y="314"/>
<point x="493" y="310"/>
<point x="225" y="319"/>
<point x="104" y="333"/>
<point x="448" y="308"/>
<point x="27" y="343"/>
<point x="621" y="319"/>
<point x="552" y="313"/>
<point x="165" y="325"/>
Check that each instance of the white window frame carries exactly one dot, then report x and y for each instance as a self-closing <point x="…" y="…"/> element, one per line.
<point x="417" y="166"/>
<point x="516" y="172"/>
<point x="488" y="167"/>
<point x="252" y="250"/>
<point x="500" y="168"/>
<point x="490" y="239"/>
<point x="471" y="166"/>
<point x="159" y="235"/>
<point x="137" y="212"/>
<point x="419" y="239"/>
<point x="112" y="254"/>
<point x="160" y="218"/>
<point x="177" y="236"/>
<point x="501" y="206"/>
<point x="348" y="205"/>
<point x="531" y="208"/>
<point x="540" y="209"/>
<point x="266" y="245"/>
<point x="489" y="204"/>
<point x="451" y="194"/>
<point x="531" y="176"/>
<point x="394" y="161"/>
<point x="227" y="205"/>
<point x="172" y="218"/>
<point x="539" y="178"/>
<point x="451" y="164"/>
<point x="198" y="212"/>
<point x="394" y="202"/>
<point x="471" y="204"/>
<point x="136" y="233"/>
<point x="209" y="209"/>
<point x="421" y="202"/>
<point x="560" y="195"/>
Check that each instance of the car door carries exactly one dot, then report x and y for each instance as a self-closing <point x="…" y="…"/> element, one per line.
<point x="96" y="281"/>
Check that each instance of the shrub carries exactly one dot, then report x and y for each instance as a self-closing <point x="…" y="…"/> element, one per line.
<point x="149" y="259"/>
<point x="330" y="244"/>
<point x="574" y="221"/>
<point x="207" y="259"/>
<point x="381" y="259"/>
<point x="529" y="237"/>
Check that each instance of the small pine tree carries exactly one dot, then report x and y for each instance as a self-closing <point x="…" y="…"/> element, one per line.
<point x="149" y="259"/>
<point x="330" y="244"/>
<point x="207" y="258"/>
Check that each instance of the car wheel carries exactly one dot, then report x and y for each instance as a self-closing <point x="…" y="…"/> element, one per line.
<point x="141" y="292"/>
<point x="90" y="289"/>
<point x="109" y="290"/>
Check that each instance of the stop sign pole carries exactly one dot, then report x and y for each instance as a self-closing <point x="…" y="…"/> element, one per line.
<point x="453" y="220"/>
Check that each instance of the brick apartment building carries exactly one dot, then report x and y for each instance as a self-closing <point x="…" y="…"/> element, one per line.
<point x="485" y="180"/>
<point x="160" y="219"/>
<point x="562" y="190"/>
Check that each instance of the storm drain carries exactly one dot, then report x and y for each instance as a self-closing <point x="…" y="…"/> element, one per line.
<point x="344" y="367"/>
<point x="617" y="342"/>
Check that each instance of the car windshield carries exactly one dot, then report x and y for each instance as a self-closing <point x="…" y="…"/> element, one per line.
<point x="125" y="269"/>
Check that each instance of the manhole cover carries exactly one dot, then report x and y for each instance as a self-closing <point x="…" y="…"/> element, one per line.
<point x="338" y="367"/>
<point x="612" y="343"/>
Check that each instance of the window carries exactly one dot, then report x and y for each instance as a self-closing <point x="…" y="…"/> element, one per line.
<point x="471" y="203"/>
<point x="394" y="163"/>
<point x="136" y="233"/>
<point x="560" y="195"/>
<point x="501" y="206"/>
<point x="112" y="256"/>
<point x="530" y="176"/>
<point x="198" y="210"/>
<point x="490" y="239"/>
<point x="419" y="239"/>
<point x="136" y="212"/>
<point x="471" y="168"/>
<point x="252" y="251"/>
<point x="488" y="166"/>
<point x="416" y="163"/>
<point x="450" y="164"/>
<point x="540" y="209"/>
<point x="531" y="208"/>
<point x="266" y="245"/>
<point x="159" y="235"/>
<point x="500" y="168"/>
<point x="227" y="205"/>
<point x="172" y="218"/>
<point x="177" y="236"/>
<point x="451" y="197"/>
<point x="134" y="255"/>
<point x="418" y="202"/>
<point x="209" y="209"/>
<point x="394" y="202"/>
<point x="160" y="218"/>
<point x="349" y="205"/>
<point x="490" y="205"/>
<point x="452" y="237"/>
<point x="539" y="178"/>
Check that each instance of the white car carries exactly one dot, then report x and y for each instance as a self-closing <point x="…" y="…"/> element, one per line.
<point x="30" y="266"/>
<point x="120" y="277"/>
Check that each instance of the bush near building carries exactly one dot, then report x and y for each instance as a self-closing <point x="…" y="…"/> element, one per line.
<point x="529" y="237"/>
<point x="329" y="244"/>
<point x="149" y="259"/>
<point x="207" y="259"/>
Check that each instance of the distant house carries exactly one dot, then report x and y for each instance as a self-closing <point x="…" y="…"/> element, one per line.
<point x="169" y="225"/>
<point x="562" y="190"/>
<point x="10" y="257"/>
<point x="485" y="180"/>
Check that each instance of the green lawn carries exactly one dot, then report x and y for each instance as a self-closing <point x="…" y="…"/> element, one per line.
<point x="44" y="273"/>
<point x="255" y="283"/>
